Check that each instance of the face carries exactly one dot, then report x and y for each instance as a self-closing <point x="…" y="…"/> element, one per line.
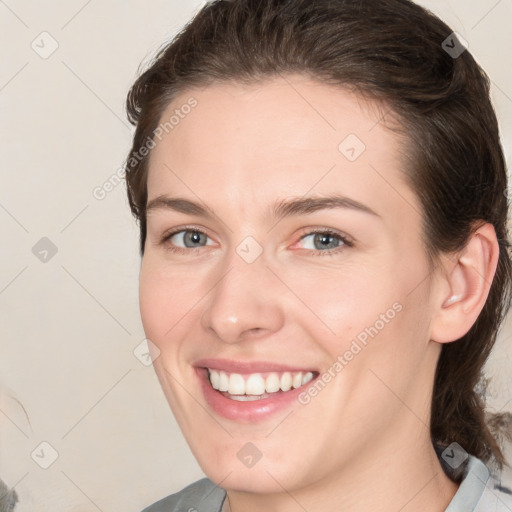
<point x="309" y="316"/>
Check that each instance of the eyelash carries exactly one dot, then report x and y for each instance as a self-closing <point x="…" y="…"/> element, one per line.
<point x="345" y="242"/>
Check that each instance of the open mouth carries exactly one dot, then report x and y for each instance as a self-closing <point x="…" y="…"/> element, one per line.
<point x="257" y="386"/>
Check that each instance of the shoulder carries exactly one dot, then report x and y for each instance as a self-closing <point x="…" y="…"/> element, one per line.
<point x="497" y="497"/>
<point x="482" y="490"/>
<point x="201" y="496"/>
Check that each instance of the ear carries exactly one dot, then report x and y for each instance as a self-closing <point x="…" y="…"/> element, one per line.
<point x="465" y="287"/>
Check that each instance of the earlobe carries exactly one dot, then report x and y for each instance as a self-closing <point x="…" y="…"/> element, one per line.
<point x="468" y="282"/>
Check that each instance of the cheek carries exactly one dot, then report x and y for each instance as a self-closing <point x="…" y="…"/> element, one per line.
<point x="165" y="297"/>
<point x="368" y="304"/>
<point x="342" y="303"/>
<point x="152" y="301"/>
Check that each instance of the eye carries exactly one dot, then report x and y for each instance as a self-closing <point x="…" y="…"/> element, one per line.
<point x="325" y="242"/>
<point x="184" y="240"/>
<point x="321" y="241"/>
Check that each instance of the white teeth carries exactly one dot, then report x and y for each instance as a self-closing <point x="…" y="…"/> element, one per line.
<point x="272" y="383"/>
<point x="286" y="381"/>
<point x="215" y="379"/>
<point x="252" y="387"/>
<point x="297" y="380"/>
<point x="245" y="398"/>
<point x="307" y="377"/>
<point x="223" y="381"/>
<point x="236" y="384"/>
<point x="255" y="385"/>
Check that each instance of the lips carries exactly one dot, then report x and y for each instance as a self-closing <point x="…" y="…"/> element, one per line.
<point x="250" y="391"/>
<point x="245" y="367"/>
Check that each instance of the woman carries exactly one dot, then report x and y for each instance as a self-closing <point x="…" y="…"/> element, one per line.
<point x="321" y="194"/>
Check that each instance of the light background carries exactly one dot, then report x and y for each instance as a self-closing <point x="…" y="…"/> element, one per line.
<point x="69" y="326"/>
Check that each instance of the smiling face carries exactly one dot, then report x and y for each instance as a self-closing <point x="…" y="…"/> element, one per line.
<point x="266" y="284"/>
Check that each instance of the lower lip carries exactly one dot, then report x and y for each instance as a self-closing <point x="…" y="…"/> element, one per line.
<point x="246" y="412"/>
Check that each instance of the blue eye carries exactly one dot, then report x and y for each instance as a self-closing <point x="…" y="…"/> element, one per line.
<point x="187" y="236"/>
<point x="325" y="241"/>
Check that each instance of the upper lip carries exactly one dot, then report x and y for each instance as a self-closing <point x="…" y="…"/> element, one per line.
<point x="234" y="366"/>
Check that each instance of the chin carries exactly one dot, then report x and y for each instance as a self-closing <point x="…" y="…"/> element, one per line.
<point x="251" y="481"/>
<point x="265" y="476"/>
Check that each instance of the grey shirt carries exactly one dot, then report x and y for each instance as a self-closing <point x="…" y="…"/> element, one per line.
<point x="478" y="492"/>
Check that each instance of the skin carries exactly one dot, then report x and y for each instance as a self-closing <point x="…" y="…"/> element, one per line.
<point x="243" y="148"/>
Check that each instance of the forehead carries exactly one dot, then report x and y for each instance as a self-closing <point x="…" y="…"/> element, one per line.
<point x="281" y="137"/>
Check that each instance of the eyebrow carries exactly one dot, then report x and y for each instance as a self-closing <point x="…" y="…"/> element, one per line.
<point x="280" y="210"/>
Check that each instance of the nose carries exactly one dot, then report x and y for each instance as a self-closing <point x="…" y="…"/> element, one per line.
<point x="244" y="302"/>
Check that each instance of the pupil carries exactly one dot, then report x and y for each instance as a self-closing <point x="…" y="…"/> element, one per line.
<point x="325" y="239"/>
<point x="195" y="237"/>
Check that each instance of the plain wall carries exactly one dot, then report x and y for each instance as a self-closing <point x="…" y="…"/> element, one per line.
<point x="68" y="374"/>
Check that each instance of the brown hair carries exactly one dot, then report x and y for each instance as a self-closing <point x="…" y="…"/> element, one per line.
<point x="393" y="51"/>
